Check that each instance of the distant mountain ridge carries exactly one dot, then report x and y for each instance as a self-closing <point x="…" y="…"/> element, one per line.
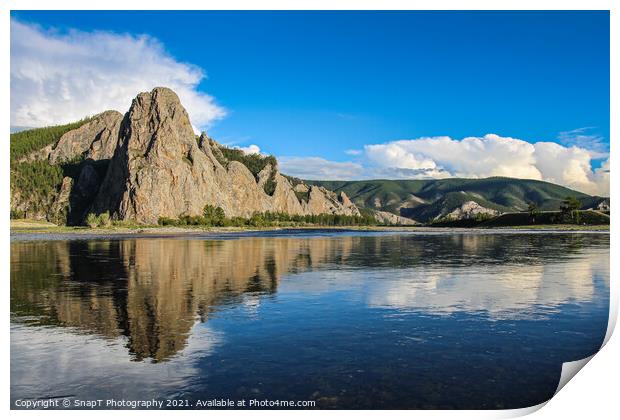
<point x="425" y="200"/>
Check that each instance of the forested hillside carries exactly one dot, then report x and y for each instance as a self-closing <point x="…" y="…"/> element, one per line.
<point x="424" y="200"/>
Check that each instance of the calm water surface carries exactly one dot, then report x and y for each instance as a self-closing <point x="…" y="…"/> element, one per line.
<point x="349" y="320"/>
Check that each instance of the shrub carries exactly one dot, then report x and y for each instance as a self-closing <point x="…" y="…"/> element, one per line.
<point x="104" y="219"/>
<point x="166" y="221"/>
<point x="213" y="216"/>
<point x="92" y="220"/>
<point x="257" y="220"/>
<point x="303" y="196"/>
<point x="17" y="214"/>
<point x="270" y="185"/>
<point x="101" y="220"/>
<point x="569" y="208"/>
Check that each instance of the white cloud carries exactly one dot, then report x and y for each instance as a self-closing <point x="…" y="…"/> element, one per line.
<point x="601" y="178"/>
<point x="354" y="152"/>
<point x="584" y="137"/>
<point x="249" y="150"/>
<point x="501" y="292"/>
<point x="492" y="155"/>
<point x="320" y="169"/>
<point x="471" y="157"/>
<point x="59" y="78"/>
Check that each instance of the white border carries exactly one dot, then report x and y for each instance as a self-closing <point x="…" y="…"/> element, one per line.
<point x="593" y="394"/>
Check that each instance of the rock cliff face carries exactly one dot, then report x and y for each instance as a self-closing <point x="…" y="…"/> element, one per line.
<point x="94" y="140"/>
<point x="149" y="164"/>
<point x="392" y="219"/>
<point x="160" y="169"/>
<point x="470" y="210"/>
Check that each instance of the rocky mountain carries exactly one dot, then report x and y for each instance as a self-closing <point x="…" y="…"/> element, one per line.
<point x="149" y="164"/>
<point x="428" y="200"/>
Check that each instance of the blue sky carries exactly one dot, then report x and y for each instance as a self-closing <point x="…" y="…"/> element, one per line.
<point x="319" y="84"/>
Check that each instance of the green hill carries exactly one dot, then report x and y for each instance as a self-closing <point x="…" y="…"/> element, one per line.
<point x="424" y="200"/>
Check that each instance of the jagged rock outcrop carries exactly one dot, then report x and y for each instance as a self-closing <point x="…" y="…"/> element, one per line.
<point x="392" y="219"/>
<point x="603" y="205"/>
<point x="469" y="210"/>
<point x="159" y="169"/>
<point x="148" y="164"/>
<point x="96" y="140"/>
<point x="41" y="154"/>
<point x="60" y="207"/>
<point x="347" y="204"/>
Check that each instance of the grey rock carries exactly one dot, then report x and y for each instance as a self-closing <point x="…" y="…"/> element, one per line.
<point x="60" y="207"/>
<point x="469" y="210"/>
<point x="159" y="169"/>
<point x="96" y="140"/>
<point x="393" y="219"/>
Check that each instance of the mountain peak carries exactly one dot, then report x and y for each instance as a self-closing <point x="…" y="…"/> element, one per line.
<point x="159" y="169"/>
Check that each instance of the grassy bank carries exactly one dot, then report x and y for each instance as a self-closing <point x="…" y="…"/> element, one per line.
<point x="35" y="226"/>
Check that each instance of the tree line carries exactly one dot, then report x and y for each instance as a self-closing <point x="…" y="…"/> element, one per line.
<point x="214" y="216"/>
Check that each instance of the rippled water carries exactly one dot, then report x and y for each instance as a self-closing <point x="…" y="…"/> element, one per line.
<point x="349" y="320"/>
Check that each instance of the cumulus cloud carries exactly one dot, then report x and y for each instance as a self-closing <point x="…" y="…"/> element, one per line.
<point x="471" y="157"/>
<point x="492" y="155"/>
<point x="601" y="178"/>
<point x="62" y="77"/>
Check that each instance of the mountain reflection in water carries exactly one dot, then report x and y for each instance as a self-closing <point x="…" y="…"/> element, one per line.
<point x="170" y="301"/>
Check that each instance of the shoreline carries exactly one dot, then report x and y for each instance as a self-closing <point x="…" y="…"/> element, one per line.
<point x="33" y="230"/>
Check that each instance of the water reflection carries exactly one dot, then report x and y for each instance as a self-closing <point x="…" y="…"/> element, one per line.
<point x="353" y="321"/>
<point x="152" y="290"/>
<point x="508" y="291"/>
